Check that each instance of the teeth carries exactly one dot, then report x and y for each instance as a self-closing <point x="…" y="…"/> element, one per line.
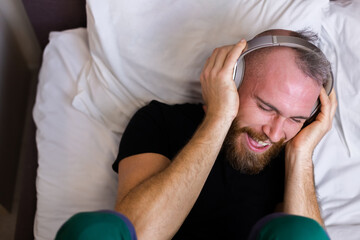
<point x="263" y="143"/>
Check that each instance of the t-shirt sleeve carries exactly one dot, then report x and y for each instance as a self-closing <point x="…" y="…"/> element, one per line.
<point x="145" y="133"/>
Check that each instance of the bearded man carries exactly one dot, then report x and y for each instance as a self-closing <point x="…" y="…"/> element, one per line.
<point x="213" y="170"/>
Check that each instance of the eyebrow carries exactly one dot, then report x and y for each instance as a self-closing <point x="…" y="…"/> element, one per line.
<point x="277" y="110"/>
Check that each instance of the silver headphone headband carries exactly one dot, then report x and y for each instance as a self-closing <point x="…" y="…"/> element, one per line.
<point x="279" y="41"/>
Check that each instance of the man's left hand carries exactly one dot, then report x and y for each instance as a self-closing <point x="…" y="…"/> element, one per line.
<point x="306" y="140"/>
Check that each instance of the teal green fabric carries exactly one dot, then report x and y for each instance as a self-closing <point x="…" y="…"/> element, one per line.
<point x="94" y="225"/>
<point x="292" y="227"/>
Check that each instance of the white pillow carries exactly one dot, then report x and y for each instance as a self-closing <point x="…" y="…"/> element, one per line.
<point x="143" y="50"/>
<point x="75" y="152"/>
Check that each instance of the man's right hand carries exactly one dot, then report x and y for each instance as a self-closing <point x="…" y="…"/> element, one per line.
<point x="218" y="88"/>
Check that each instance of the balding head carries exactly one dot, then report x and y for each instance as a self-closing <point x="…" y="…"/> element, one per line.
<point x="313" y="64"/>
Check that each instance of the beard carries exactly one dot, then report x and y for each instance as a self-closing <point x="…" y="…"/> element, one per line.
<point x="241" y="158"/>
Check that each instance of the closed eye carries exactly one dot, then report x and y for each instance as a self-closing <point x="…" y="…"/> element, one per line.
<point x="299" y="119"/>
<point x="265" y="108"/>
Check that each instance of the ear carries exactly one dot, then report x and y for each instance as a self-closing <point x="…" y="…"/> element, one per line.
<point x="205" y="108"/>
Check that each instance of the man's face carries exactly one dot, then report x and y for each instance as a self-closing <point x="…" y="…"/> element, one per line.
<point x="276" y="98"/>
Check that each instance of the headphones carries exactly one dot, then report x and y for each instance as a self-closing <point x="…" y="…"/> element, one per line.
<point x="276" y="41"/>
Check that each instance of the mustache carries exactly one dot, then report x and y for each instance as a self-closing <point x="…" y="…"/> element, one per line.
<point x="257" y="136"/>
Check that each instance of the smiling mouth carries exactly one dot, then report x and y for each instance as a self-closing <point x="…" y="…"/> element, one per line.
<point x="257" y="146"/>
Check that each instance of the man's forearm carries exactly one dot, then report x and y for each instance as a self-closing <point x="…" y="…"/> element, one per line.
<point x="300" y="194"/>
<point x="158" y="206"/>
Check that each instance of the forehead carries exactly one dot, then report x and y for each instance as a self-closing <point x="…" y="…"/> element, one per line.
<point x="276" y="78"/>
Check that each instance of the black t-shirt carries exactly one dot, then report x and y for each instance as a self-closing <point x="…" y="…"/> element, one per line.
<point x="230" y="202"/>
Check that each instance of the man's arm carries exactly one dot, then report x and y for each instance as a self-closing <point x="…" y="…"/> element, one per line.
<point x="300" y="194"/>
<point x="158" y="199"/>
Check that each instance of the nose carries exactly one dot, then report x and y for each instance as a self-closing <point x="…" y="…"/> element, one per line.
<point x="274" y="129"/>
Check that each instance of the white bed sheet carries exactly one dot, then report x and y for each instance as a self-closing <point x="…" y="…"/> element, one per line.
<point x="76" y="151"/>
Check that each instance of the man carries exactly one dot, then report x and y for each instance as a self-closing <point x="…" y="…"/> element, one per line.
<point x="212" y="171"/>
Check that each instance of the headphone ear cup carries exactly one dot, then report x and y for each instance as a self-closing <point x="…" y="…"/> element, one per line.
<point x="239" y="70"/>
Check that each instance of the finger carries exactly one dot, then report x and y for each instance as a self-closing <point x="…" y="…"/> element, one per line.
<point x="211" y="60"/>
<point x="328" y="107"/>
<point x="221" y="57"/>
<point x="328" y="103"/>
<point x="324" y="106"/>
<point x="233" y="56"/>
<point x="324" y="100"/>
<point x="333" y="102"/>
<point x="207" y="67"/>
<point x="207" y="62"/>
